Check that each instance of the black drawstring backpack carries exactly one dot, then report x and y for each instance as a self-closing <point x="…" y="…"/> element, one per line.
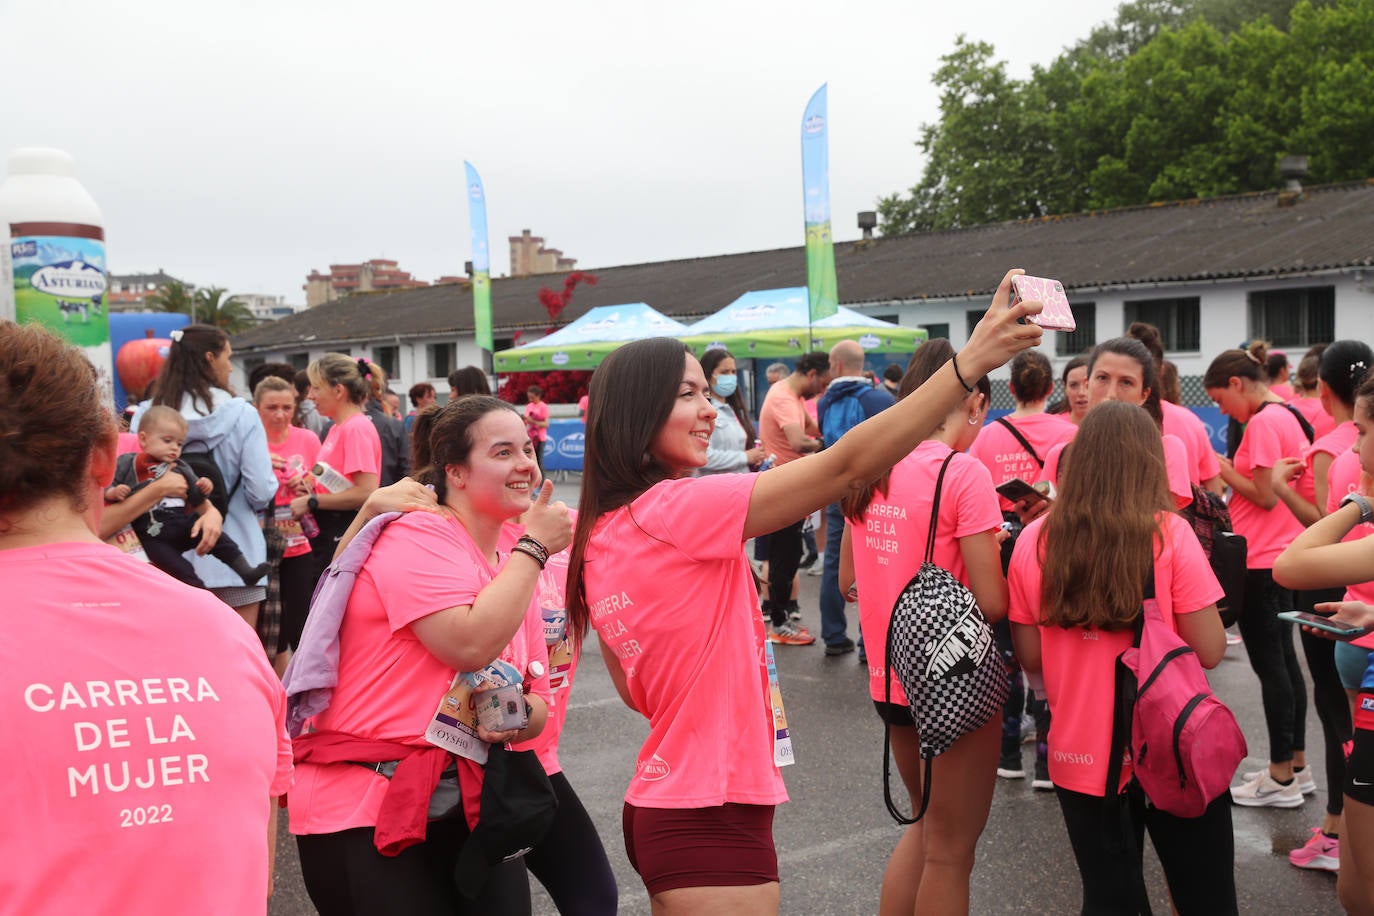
<point x="939" y="646"/>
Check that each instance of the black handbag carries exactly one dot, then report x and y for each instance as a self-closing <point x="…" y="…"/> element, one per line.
<point x="518" y="807"/>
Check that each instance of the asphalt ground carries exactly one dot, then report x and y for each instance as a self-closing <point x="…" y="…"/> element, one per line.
<point x="834" y="837"/>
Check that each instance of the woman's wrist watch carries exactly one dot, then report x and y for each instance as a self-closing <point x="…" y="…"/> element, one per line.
<point x="1366" y="510"/>
<point x="312" y="503"/>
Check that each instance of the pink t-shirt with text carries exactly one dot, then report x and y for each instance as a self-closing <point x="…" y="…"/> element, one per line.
<point x="1079" y="663"/>
<point x="351" y="448"/>
<point x="1006" y="458"/>
<point x="1192" y="432"/>
<point x="1343" y="477"/>
<point x="672" y="596"/>
<point x="890" y="543"/>
<point x="389" y="683"/>
<point x="147" y="733"/>
<point x="1271" y="434"/>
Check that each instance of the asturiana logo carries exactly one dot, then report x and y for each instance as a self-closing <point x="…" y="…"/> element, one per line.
<point x="68" y="279"/>
<point x="559" y="359"/>
<point x="475" y="190"/>
<point x="869" y="341"/>
<point x="814" y="124"/>
<point x="654" y="769"/>
<point x="571" y="445"/>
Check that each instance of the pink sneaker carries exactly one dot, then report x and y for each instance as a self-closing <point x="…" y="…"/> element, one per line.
<point x="1320" y="852"/>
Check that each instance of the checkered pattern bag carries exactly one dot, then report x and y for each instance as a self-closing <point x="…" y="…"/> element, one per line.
<point x="939" y="647"/>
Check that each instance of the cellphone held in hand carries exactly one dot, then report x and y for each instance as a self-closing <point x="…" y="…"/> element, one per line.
<point x="1016" y="488"/>
<point x="1056" y="315"/>
<point x="1338" y="628"/>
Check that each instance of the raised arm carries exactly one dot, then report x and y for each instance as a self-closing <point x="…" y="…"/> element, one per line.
<point x="794" y="490"/>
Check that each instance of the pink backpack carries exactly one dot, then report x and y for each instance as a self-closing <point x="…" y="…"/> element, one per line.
<point x="1184" y="742"/>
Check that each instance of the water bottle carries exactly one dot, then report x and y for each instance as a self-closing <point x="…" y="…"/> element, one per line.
<point x="768" y="462"/>
<point x="331" y="479"/>
<point x="309" y="527"/>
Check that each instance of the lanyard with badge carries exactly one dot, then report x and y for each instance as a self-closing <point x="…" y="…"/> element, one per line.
<point x="782" y="735"/>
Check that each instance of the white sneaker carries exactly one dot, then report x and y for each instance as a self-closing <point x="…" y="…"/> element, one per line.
<point x="1307" y="783"/>
<point x="1263" y="791"/>
<point x="815" y="569"/>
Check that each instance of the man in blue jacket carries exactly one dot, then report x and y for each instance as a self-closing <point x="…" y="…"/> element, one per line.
<point x="850" y="399"/>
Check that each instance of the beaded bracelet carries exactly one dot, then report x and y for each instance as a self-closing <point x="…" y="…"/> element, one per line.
<point x="532" y="549"/>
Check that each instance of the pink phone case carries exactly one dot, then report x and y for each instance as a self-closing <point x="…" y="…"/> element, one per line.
<point x="1056" y="315"/>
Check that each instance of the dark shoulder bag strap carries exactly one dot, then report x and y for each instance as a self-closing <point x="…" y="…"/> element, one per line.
<point x="1117" y="829"/>
<point x="1307" y="428"/>
<point x="887" y="672"/>
<point x="1022" y="439"/>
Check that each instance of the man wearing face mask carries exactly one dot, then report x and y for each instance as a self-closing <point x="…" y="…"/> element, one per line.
<point x="732" y="448"/>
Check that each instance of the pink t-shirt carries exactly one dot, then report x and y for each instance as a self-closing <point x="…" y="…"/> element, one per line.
<point x="671" y="593"/>
<point x="1311" y="408"/>
<point x="351" y="448"/>
<point x="1079" y="663"/>
<point x="128" y="442"/>
<point x="301" y="447"/>
<point x="891" y="542"/>
<point x="1271" y="434"/>
<point x="1283" y="390"/>
<point x="147" y="733"/>
<point x="1343" y="477"/>
<point x="538" y="411"/>
<point x="1192" y="432"/>
<point x="1006" y="458"/>
<point x="781" y="407"/>
<point x="389" y="683"/>
<point x="1337" y="442"/>
<point x="564" y="654"/>
<point x="582" y="407"/>
<point x="1175" y="466"/>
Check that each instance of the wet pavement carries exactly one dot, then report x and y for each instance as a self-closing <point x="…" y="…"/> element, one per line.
<point x="835" y="836"/>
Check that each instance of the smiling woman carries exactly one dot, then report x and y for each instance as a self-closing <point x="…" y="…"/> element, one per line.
<point x="442" y="590"/>
<point x="658" y="568"/>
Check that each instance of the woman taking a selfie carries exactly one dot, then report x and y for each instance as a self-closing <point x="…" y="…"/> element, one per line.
<point x="658" y="568"/>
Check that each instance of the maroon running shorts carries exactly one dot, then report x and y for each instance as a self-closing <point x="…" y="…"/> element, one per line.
<point x="727" y="846"/>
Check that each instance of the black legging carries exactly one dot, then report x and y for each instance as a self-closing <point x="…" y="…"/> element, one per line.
<point x="1269" y="643"/>
<point x="345" y="875"/>
<point x="1328" y="696"/>
<point x="784" y="558"/>
<point x="1197" y="853"/>
<point x="297" y="577"/>
<point x="570" y="861"/>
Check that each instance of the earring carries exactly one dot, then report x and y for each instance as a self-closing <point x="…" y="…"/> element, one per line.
<point x="973" y="419"/>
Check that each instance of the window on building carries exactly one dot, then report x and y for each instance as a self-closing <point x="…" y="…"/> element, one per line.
<point x="299" y="361"/>
<point x="937" y="330"/>
<point x="971" y="322"/>
<point x="250" y="364"/>
<point x="1084" y="337"/>
<point x="502" y="343"/>
<point x="388" y="358"/>
<point x="442" y="359"/>
<point x="1294" y="317"/>
<point x="1179" y="320"/>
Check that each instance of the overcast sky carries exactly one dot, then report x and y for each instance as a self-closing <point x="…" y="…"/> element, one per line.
<point x="243" y="143"/>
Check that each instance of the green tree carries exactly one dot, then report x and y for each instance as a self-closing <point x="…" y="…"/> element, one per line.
<point x="227" y="314"/>
<point x="1161" y="105"/>
<point x="174" y="297"/>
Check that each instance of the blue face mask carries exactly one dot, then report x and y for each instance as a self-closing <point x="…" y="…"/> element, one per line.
<point x="725" y="385"/>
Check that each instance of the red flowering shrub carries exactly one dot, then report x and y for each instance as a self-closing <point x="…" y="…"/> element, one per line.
<point x="561" y="386"/>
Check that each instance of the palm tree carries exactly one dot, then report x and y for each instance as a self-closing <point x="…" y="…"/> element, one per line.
<point x="174" y="297"/>
<point x="227" y="314"/>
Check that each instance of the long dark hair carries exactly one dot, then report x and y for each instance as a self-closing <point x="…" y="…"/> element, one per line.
<point x="924" y="363"/>
<point x="187" y="371"/>
<point x="1093" y="562"/>
<point x="709" y="361"/>
<point x="630" y="398"/>
<point x="441" y="436"/>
